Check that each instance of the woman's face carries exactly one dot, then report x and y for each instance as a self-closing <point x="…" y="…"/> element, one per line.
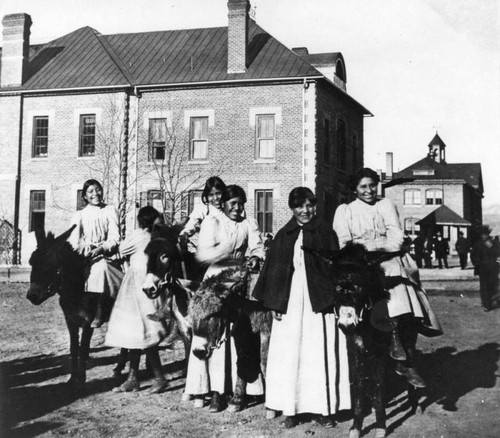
<point x="366" y="190"/>
<point x="214" y="196"/>
<point x="234" y="208"/>
<point x="93" y="195"/>
<point x="304" y="213"/>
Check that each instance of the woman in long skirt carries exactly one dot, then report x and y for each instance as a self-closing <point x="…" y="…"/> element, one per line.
<point x="307" y="368"/>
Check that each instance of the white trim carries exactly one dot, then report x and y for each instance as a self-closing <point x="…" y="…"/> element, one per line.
<point x="263" y="110"/>
<point x="206" y="112"/>
<point x="158" y="114"/>
<point x="252" y="187"/>
<point x="265" y="160"/>
<point x="77" y="112"/>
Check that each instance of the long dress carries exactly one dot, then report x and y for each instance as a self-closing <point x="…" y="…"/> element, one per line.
<point x="98" y="225"/>
<point x="223" y="242"/>
<point x="129" y="326"/>
<point x="307" y="368"/>
<point x="377" y="227"/>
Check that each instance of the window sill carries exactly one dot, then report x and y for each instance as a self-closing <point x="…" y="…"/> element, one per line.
<point x="265" y="161"/>
<point x="198" y="162"/>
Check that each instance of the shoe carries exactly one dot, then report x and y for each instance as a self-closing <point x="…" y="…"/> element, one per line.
<point x="411" y="375"/>
<point x="271" y="414"/>
<point x="160" y="385"/>
<point x="199" y="402"/>
<point x="130" y="385"/>
<point x="396" y="349"/>
<point x="289" y="422"/>
<point x="326" y="421"/>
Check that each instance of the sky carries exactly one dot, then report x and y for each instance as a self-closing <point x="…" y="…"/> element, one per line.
<point x="419" y="66"/>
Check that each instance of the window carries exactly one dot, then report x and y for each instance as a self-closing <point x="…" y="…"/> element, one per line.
<point x="198" y="138"/>
<point x="264" y="210"/>
<point x="265" y="134"/>
<point x="40" y="136"/>
<point x="433" y="197"/>
<point x="410" y="226"/>
<point x="157" y="138"/>
<point x="37" y="210"/>
<point x="172" y="209"/>
<point x="80" y="203"/>
<point x="327" y="147"/>
<point x="412" y="197"/>
<point x="341" y="145"/>
<point x="87" y="135"/>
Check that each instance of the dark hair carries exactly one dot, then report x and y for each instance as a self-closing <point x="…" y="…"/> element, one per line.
<point x="364" y="172"/>
<point x="299" y="195"/>
<point x="233" y="191"/>
<point x="213" y="181"/>
<point x="87" y="184"/>
<point x="147" y="216"/>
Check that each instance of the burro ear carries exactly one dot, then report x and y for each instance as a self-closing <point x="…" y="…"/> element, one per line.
<point x="67" y="233"/>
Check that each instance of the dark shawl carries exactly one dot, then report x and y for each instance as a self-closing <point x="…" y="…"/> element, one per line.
<point x="273" y="285"/>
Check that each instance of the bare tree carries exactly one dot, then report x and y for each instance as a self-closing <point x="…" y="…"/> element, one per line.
<point x="170" y="152"/>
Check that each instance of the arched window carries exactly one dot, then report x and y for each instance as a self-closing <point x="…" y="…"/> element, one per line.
<point x="433" y="197"/>
<point x="412" y="197"/>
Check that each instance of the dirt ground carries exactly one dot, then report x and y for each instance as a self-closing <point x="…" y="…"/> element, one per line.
<point x="461" y="368"/>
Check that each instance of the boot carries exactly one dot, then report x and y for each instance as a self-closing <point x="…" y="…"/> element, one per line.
<point x="130" y="385"/>
<point x="160" y="385"/>
<point x="396" y="350"/>
<point x="411" y="375"/>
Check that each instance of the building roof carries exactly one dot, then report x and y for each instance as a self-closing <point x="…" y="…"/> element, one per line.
<point x="85" y="58"/>
<point x="427" y="169"/>
<point x="443" y="216"/>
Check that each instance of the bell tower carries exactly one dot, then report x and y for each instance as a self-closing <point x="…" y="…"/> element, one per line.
<point x="437" y="149"/>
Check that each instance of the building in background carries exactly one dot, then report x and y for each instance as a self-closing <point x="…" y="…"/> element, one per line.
<point x="153" y="114"/>
<point x="434" y="195"/>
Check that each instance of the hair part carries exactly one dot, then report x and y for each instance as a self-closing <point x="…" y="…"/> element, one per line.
<point x="212" y="182"/>
<point x="87" y="184"/>
<point x="364" y="172"/>
<point x="233" y="191"/>
<point x="299" y="195"/>
<point x="147" y="216"/>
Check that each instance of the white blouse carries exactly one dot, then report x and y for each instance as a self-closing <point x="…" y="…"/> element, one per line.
<point x="222" y="238"/>
<point x="95" y="225"/>
<point x="376" y="226"/>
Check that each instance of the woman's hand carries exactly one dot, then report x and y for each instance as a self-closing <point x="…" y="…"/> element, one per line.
<point x="253" y="263"/>
<point x="96" y="252"/>
<point x="276" y="315"/>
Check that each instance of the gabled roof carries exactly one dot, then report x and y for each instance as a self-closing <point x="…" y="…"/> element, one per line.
<point x="444" y="216"/>
<point x="85" y="58"/>
<point x="428" y="169"/>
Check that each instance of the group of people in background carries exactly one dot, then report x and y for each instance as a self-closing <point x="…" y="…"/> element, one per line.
<point x="307" y="369"/>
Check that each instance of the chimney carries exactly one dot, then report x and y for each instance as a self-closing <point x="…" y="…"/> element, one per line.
<point x="15" y="50"/>
<point x="388" y="165"/>
<point x="237" y="35"/>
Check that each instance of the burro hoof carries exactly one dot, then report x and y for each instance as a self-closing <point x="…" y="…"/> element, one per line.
<point x="380" y="433"/>
<point x="234" y="407"/>
<point x="354" y="433"/>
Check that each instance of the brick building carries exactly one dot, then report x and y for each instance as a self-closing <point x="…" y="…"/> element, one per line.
<point x="434" y="195"/>
<point x="154" y="114"/>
